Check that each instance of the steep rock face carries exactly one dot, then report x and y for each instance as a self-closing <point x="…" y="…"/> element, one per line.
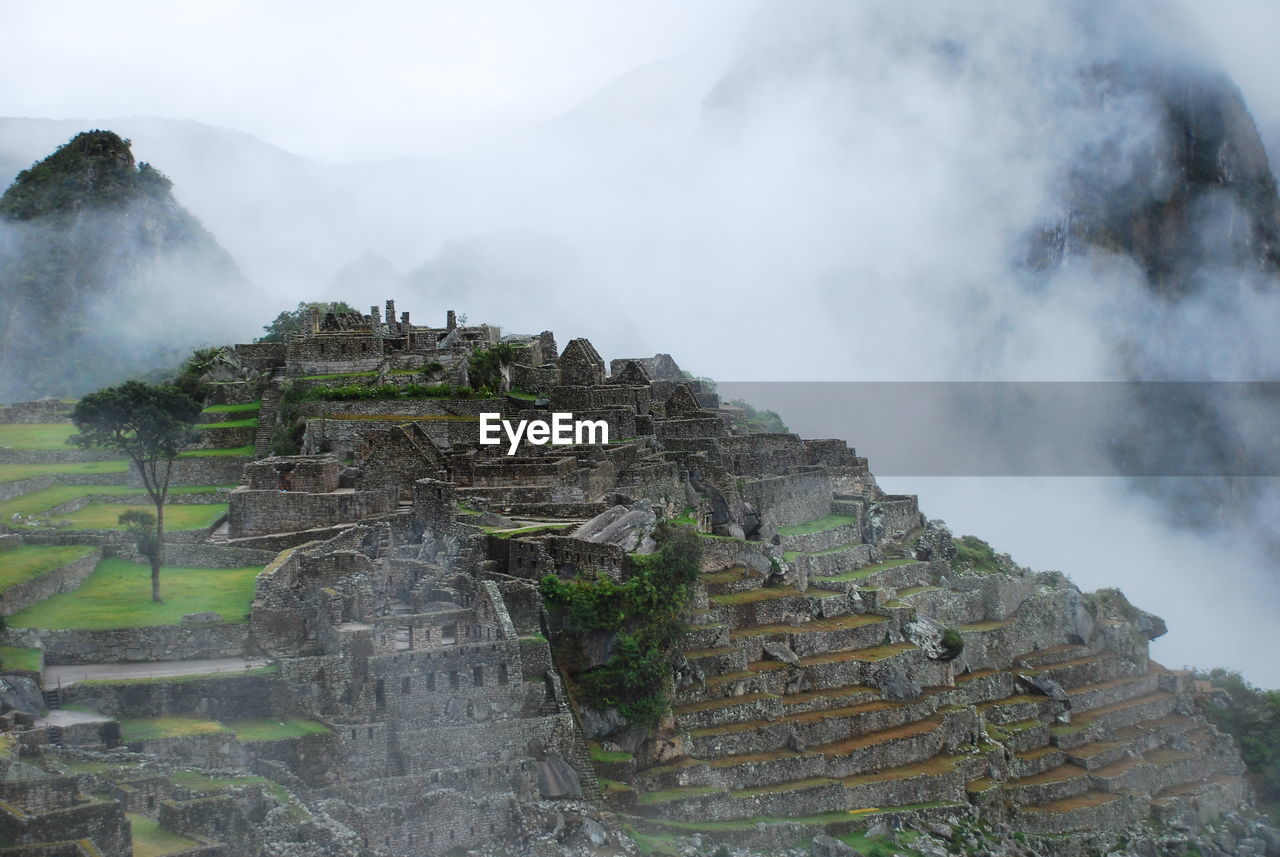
<point x="1198" y="199"/>
<point x="98" y="262"/>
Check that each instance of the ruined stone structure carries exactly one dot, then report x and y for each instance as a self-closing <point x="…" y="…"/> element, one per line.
<point x="840" y="668"/>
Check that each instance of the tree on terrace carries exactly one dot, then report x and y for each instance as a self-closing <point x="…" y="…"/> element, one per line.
<point x="150" y="425"/>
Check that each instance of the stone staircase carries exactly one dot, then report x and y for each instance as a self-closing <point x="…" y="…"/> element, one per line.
<point x="267" y="414"/>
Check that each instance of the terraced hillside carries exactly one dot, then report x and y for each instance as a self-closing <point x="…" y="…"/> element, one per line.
<point x="824" y="700"/>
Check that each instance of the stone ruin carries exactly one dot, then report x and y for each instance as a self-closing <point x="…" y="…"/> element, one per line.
<point x="818" y="689"/>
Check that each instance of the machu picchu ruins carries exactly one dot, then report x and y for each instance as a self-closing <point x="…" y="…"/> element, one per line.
<point x="365" y="662"/>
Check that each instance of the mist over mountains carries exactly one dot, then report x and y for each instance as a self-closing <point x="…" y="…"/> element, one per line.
<point x="868" y="191"/>
<point x="102" y="273"/>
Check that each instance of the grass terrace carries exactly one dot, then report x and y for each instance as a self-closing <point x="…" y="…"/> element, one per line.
<point x="868" y="571"/>
<point x="17" y="472"/>
<point x="35" y="502"/>
<point x="106" y="516"/>
<point x="174" y="726"/>
<point x="247" y="422"/>
<point x="16" y="658"/>
<point x="234" y="409"/>
<point x="214" y="785"/>
<point x="524" y="531"/>
<point x="829" y="522"/>
<point x="118" y="595"/>
<point x="599" y="754"/>
<point x="29" y="436"/>
<point x="179" y="679"/>
<point x="31" y="561"/>
<point x="239" y="451"/>
<point x="152" y="840"/>
<point x="272" y="729"/>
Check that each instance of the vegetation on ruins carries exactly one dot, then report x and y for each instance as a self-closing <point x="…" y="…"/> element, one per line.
<point x="148" y="424"/>
<point x="644" y="614"/>
<point x="292" y="320"/>
<point x="484" y="369"/>
<point x="1252" y="717"/>
<point x="193" y="369"/>
<point x="759" y="420"/>
<point x="356" y="393"/>
<point x="952" y="644"/>
<point x="973" y="554"/>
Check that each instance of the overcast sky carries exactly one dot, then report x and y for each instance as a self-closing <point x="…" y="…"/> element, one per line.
<point x="337" y="81"/>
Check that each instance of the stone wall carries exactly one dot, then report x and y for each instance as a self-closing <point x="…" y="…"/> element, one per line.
<point x="200" y="470"/>
<point x="233" y="696"/>
<point x="65" y="578"/>
<point x="51" y="809"/>
<point x="10" y="490"/>
<point x="785" y="501"/>
<point x="43" y="411"/>
<point x="160" y="643"/>
<point x="254" y="513"/>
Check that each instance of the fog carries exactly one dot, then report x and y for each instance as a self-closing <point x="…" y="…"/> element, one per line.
<point x="770" y="192"/>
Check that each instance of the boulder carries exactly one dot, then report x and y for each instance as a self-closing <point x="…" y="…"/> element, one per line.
<point x="629" y="528"/>
<point x="20" y="694"/>
<point x="594" y="832"/>
<point x="598" y="724"/>
<point x="781" y="652"/>
<point x="1046" y="687"/>
<point x="927" y="635"/>
<point x="557" y="779"/>
<point x="896" y="684"/>
<point x="829" y="846"/>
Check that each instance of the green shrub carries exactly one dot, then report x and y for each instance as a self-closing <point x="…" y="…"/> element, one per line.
<point x="484" y="368"/>
<point x="952" y="644"/>
<point x="645" y="612"/>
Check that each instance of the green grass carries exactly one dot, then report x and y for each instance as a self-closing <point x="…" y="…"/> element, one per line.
<point x="339" y="375"/>
<point x="686" y="517"/>
<point x="520" y="531"/>
<point x="179" y="679"/>
<point x="15" y="658"/>
<point x="272" y="729"/>
<point x="35" y="502"/>
<point x="677" y="793"/>
<point x="248" y="422"/>
<point x="173" y="726"/>
<point x="975" y="554"/>
<point x="118" y="595"/>
<point x="522" y="396"/>
<point x="106" y="516"/>
<point x="152" y="840"/>
<point x="829" y="522"/>
<point x="868" y="571"/>
<point x="233" y="409"/>
<point x="599" y="754"/>
<point x="30" y="561"/>
<point x="28" y="436"/>
<point x="16" y="472"/>
<point x="212" y="785"/>
<point x="243" y="451"/>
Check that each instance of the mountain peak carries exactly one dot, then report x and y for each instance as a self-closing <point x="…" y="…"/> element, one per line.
<point x="93" y="168"/>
